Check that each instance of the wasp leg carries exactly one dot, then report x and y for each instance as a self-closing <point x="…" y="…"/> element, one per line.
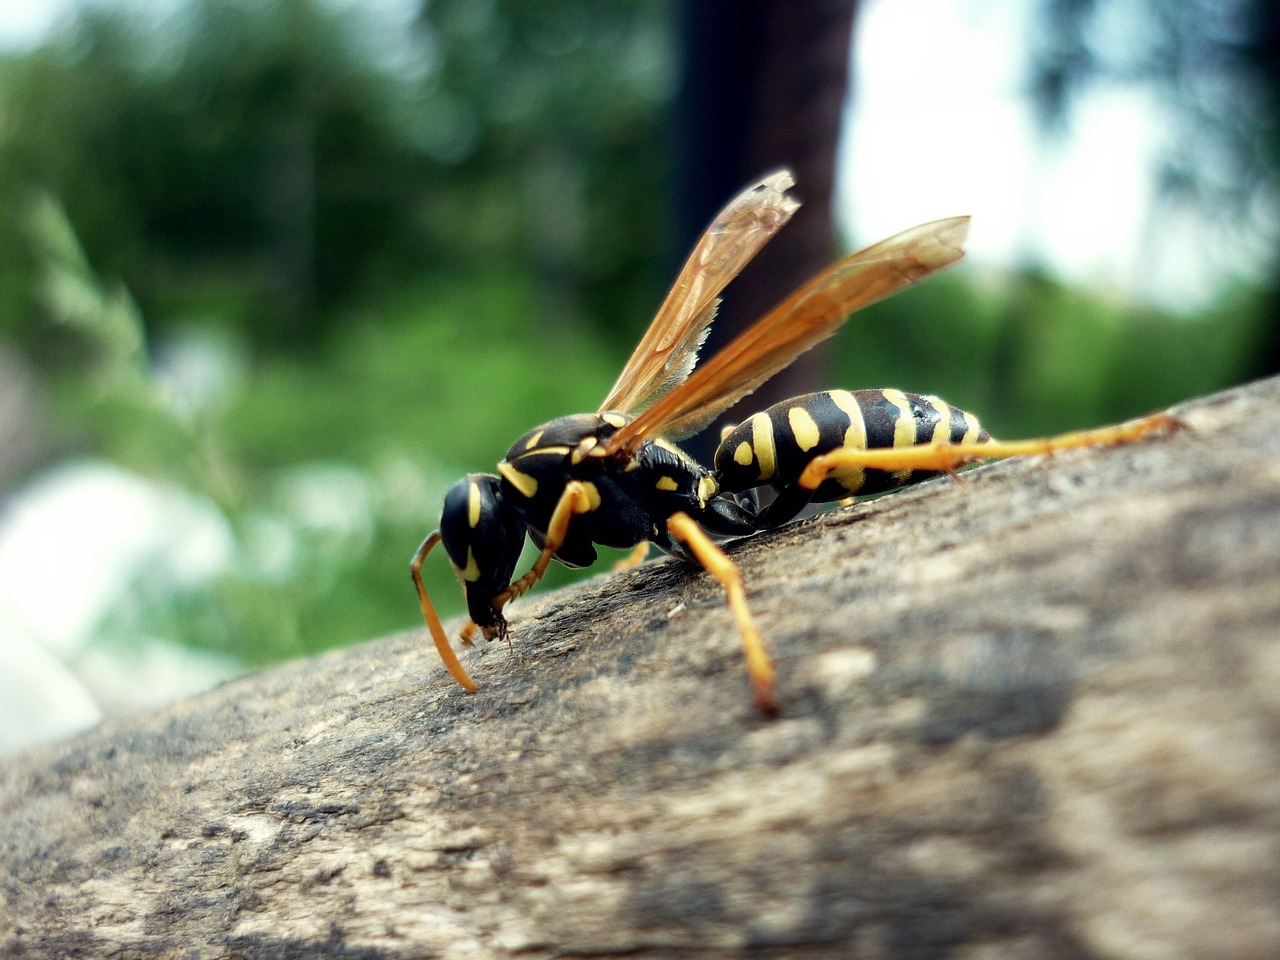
<point x="634" y="558"/>
<point x="451" y="662"/>
<point x="572" y="502"/>
<point x="948" y="456"/>
<point x="785" y="506"/>
<point x="468" y="633"/>
<point x="759" y="665"/>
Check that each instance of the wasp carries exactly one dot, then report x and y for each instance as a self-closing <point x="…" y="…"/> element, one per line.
<point x="615" y="477"/>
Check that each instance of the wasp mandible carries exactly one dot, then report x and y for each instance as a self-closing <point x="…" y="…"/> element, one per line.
<point x="614" y="477"/>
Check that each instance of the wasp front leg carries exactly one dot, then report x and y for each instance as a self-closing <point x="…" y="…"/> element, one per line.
<point x="575" y="499"/>
<point x="578" y="498"/>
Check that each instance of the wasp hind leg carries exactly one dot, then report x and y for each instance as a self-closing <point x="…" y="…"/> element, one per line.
<point x="946" y="457"/>
<point x="760" y="670"/>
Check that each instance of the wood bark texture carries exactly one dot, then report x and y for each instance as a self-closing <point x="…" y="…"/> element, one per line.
<point x="1032" y="714"/>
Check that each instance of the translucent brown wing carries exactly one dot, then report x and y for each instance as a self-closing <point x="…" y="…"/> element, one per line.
<point x="669" y="349"/>
<point x="807" y="317"/>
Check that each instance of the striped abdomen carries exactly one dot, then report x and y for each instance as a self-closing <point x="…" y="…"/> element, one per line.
<point x="774" y="446"/>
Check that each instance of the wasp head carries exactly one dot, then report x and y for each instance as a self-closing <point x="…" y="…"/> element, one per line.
<point x="483" y="537"/>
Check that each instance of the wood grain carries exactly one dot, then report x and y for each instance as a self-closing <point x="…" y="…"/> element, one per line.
<point x="1033" y="714"/>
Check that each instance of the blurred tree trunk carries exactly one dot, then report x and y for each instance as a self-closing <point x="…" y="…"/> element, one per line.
<point x="764" y="86"/>
<point x="1265" y="56"/>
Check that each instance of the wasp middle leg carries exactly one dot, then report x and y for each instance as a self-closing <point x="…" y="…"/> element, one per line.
<point x="685" y="529"/>
<point x="576" y="499"/>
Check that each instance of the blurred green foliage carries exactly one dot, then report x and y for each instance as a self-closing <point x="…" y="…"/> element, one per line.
<point x="399" y="247"/>
<point x="327" y="469"/>
<point x="269" y="164"/>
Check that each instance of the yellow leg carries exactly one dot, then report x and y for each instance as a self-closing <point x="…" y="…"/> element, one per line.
<point x="451" y="662"/>
<point x="948" y="456"/>
<point x="573" y="501"/>
<point x="634" y="558"/>
<point x="759" y="665"/>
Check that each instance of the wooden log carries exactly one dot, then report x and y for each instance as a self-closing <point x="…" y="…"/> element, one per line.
<point x="1032" y="714"/>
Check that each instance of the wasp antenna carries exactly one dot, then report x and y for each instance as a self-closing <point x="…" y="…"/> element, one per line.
<point x="451" y="661"/>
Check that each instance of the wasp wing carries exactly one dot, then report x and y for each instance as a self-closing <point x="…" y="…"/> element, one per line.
<point x="807" y="317"/>
<point x="668" y="351"/>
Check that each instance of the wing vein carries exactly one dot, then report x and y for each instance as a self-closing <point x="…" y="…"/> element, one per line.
<point x="668" y="351"/>
<point x="805" y="318"/>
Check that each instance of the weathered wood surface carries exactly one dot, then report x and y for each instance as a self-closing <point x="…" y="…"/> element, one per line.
<point x="1036" y="714"/>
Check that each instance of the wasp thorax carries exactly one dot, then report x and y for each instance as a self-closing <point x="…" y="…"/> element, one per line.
<point x="543" y="455"/>
<point x="565" y="434"/>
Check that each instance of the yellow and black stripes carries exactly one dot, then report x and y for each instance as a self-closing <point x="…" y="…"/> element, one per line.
<point x="774" y="446"/>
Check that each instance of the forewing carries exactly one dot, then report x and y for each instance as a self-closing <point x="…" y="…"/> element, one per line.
<point x="668" y="351"/>
<point x="807" y="317"/>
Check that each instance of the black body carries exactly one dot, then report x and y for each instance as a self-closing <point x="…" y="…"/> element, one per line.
<point x="485" y="517"/>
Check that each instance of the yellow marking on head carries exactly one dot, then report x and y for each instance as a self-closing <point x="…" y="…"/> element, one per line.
<point x="473" y="505"/>
<point x="855" y="438"/>
<point x="533" y="441"/>
<point x="614" y="419"/>
<point x="668" y="484"/>
<point x="593" y="495"/>
<point x="941" y="432"/>
<point x="803" y="428"/>
<point x="706" y="490"/>
<point x="471" y="572"/>
<point x="743" y="454"/>
<point x="762" y="443"/>
<point x="526" y="484"/>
